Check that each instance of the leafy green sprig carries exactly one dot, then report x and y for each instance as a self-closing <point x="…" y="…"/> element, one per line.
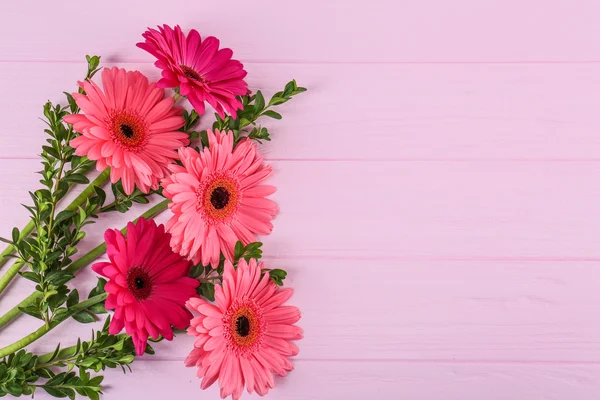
<point x="70" y="221"/>
<point x="254" y="107"/>
<point x="75" y="266"/>
<point x="56" y="235"/>
<point x="209" y="275"/>
<point x="66" y="372"/>
<point x="191" y="119"/>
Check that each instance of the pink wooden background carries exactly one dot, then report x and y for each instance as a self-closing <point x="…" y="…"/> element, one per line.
<point x="439" y="184"/>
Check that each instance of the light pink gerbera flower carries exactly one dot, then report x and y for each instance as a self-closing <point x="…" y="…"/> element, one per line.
<point x="217" y="199"/>
<point x="245" y="338"/>
<point x="148" y="283"/>
<point x="130" y="127"/>
<point x="198" y="67"/>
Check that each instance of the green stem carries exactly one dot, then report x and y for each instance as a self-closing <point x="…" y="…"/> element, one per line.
<point x="77" y="265"/>
<point x="10" y="274"/>
<point x="33" y="336"/>
<point x="67" y="354"/>
<point x="55" y="189"/>
<point x="79" y="200"/>
<point x="101" y="249"/>
<point x="63" y="354"/>
<point x="15" y="311"/>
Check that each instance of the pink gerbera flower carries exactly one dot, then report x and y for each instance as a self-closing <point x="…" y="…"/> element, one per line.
<point x="148" y="283"/>
<point x="198" y="67"/>
<point x="217" y="199"/>
<point x="130" y="127"/>
<point x="245" y="338"/>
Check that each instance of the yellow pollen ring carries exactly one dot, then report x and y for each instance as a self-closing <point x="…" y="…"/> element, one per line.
<point x="128" y="130"/>
<point x="250" y="339"/>
<point x="226" y="211"/>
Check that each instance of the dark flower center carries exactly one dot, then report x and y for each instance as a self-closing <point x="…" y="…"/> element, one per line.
<point x="242" y="326"/>
<point x="190" y="73"/>
<point x="127" y="131"/>
<point x="139" y="283"/>
<point x="219" y="198"/>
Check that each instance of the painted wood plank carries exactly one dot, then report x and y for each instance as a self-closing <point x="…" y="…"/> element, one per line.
<point x="408" y="210"/>
<point x="375" y="112"/>
<point x="315" y="31"/>
<point x="414" y="311"/>
<point x="350" y="380"/>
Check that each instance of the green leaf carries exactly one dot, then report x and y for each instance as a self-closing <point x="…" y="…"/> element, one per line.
<point x="32" y="276"/>
<point x="272" y="114"/>
<point x="14" y="388"/>
<point x="99" y="289"/>
<point x="238" y="250"/>
<point x="101" y="195"/>
<point x="73" y="298"/>
<point x="117" y="189"/>
<point x="149" y="350"/>
<point x="84" y="317"/>
<point x="50" y="293"/>
<point x="278" y="275"/>
<point x="15" y="234"/>
<point x="64" y="215"/>
<point x="289" y="88"/>
<point x="72" y="103"/>
<point x="77" y="178"/>
<point x="82" y="216"/>
<point x="275" y="101"/>
<point x="60" y="314"/>
<point x="54" y="392"/>
<point x="128" y="359"/>
<point x="97" y="309"/>
<point x="91" y="394"/>
<point x="196" y="271"/>
<point x="55" y="353"/>
<point x="141" y="200"/>
<point x="259" y="102"/>
<point x="31" y="310"/>
<point x="122" y="208"/>
<point x="51" y="151"/>
<point x="207" y="289"/>
<point x="204" y="138"/>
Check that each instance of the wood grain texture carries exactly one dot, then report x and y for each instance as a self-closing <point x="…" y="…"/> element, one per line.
<point x="410" y="210"/>
<point x="314" y="30"/>
<point x="388" y="112"/>
<point x="357" y="381"/>
<point x="426" y="311"/>
<point x="438" y="185"/>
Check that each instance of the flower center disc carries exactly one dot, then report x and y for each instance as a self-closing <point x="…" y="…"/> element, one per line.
<point x="244" y="327"/>
<point x="128" y="130"/>
<point x="218" y="198"/>
<point x="192" y="74"/>
<point x="139" y="283"/>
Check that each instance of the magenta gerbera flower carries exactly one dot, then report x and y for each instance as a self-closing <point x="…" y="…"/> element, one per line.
<point x="246" y="337"/>
<point x="200" y="70"/>
<point x="129" y="126"/>
<point x="217" y="199"/>
<point x="148" y="284"/>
